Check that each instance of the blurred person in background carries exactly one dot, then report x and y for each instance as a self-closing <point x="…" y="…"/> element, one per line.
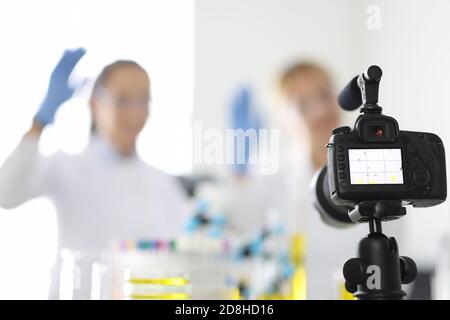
<point x="309" y="115"/>
<point x="309" y="91"/>
<point x="107" y="192"/>
<point x="310" y="94"/>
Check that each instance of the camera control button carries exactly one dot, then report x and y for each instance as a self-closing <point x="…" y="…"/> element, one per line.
<point x="341" y="166"/>
<point x="340" y="149"/>
<point x="341" y="175"/>
<point x="341" y="157"/>
<point x="343" y="184"/>
<point x="420" y="176"/>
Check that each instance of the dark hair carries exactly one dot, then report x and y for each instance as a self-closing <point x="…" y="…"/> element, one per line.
<point x="106" y="73"/>
<point x="301" y="67"/>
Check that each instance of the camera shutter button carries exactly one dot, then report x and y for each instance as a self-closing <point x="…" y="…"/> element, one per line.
<point x="340" y="130"/>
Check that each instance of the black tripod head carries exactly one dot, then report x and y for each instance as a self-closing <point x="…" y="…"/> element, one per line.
<point x="379" y="271"/>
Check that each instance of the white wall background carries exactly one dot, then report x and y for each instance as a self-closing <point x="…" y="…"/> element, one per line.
<point x="33" y="35"/>
<point x="248" y="41"/>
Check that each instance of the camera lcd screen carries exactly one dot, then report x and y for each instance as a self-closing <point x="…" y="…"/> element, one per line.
<point x="375" y="166"/>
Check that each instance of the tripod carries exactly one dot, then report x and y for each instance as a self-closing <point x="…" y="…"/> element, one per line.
<point x="379" y="272"/>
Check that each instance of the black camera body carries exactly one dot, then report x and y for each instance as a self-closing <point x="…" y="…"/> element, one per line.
<point x="375" y="167"/>
<point x="377" y="161"/>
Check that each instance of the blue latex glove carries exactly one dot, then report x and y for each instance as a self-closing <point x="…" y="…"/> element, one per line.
<point x="243" y="116"/>
<point x="59" y="90"/>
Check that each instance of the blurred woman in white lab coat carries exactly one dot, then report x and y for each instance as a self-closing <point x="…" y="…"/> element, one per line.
<point x="307" y="116"/>
<point x="310" y="93"/>
<point x="107" y="192"/>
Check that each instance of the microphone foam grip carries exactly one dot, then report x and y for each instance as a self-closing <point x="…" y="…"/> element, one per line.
<point x="350" y="97"/>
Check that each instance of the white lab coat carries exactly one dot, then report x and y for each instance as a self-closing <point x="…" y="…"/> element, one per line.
<point x="99" y="195"/>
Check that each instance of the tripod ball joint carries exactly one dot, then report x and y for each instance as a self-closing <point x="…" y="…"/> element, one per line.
<point x="378" y="272"/>
<point x="355" y="272"/>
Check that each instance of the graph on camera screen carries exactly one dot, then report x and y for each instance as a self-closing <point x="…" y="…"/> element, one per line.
<point x="375" y="166"/>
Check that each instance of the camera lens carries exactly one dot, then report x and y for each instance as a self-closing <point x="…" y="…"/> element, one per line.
<point x="332" y="214"/>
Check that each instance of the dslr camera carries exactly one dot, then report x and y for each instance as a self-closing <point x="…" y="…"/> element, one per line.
<point x="375" y="161"/>
<point x="374" y="170"/>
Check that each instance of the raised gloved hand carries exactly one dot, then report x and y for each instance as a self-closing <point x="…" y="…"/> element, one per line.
<point x="244" y="116"/>
<point x="59" y="89"/>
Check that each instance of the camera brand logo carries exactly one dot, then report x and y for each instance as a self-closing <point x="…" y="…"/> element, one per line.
<point x="259" y="148"/>
<point x="373" y="21"/>
<point x="373" y="281"/>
